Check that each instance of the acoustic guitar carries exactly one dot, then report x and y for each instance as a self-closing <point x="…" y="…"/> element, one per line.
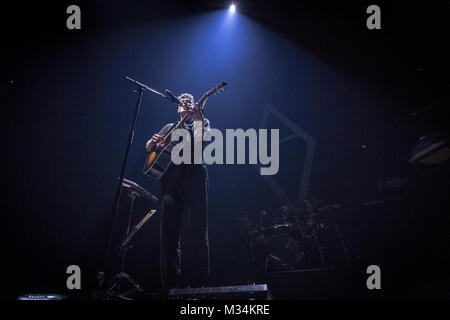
<point x="159" y="157"/>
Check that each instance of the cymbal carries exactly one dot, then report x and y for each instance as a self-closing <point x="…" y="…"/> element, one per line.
<point x="281" y="225"/>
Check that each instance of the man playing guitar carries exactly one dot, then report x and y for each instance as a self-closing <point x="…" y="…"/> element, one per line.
<point x="184" y="190"/>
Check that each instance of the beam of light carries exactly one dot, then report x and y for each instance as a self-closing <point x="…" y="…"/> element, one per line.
<point x="232" y="8"/>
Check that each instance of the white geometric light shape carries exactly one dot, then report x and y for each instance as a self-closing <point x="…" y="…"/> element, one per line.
<point x="309" y="157"/>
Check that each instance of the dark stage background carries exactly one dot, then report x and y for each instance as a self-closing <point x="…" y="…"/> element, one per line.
<point x="364" y="96"/>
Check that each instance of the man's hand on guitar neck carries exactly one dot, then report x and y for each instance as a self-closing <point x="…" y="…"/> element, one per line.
<point x="196" y="113"/>
<point x="156" y="139"/>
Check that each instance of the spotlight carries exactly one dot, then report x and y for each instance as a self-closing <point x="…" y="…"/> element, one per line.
<point x="232" y="8"/>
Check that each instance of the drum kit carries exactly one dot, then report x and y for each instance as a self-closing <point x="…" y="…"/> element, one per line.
<point x="288" y="239"/>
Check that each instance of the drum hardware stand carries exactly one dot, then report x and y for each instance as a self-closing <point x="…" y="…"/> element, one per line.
<point x="134" y="190"/>
<point x="116" y="282"/>
<point x="341" y="240"/>
<point x="319" y="250"/>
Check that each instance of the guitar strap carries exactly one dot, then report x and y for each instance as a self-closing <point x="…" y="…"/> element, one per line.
<point x="203" y="118"/>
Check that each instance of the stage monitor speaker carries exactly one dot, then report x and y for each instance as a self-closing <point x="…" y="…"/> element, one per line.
<point x="248" y="292"/>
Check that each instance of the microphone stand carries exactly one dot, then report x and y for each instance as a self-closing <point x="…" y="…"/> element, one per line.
<point x="140" y="90"/>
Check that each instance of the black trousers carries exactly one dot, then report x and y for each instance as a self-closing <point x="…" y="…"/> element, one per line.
<point x="184" y="191"/>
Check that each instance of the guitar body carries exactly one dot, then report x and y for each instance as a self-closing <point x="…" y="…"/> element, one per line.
<point x="158" y="161"/>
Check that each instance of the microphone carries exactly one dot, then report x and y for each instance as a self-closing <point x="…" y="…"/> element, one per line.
<point x="172" y="97"/>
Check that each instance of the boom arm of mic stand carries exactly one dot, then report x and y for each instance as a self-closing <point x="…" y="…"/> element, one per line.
<point x="145" y="87"/>
<point x="169" y="95"/>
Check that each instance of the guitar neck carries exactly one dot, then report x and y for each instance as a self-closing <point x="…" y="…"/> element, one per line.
<point x="176" y="126"/>
<point x="202" y="99"/>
